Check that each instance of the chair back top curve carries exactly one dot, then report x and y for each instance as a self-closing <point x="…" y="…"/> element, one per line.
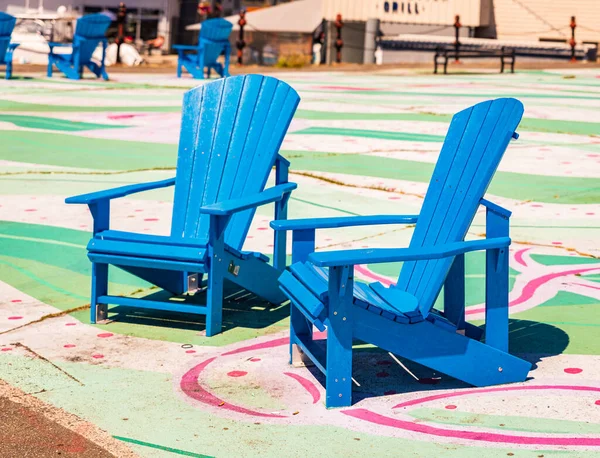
<point x="231" y="132"/>
<point x="214" y="37"/>
<point x="89" y="31"/>
<point x="475" y="143"/>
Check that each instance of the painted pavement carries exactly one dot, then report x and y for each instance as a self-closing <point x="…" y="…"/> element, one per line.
<point x="359" y="144"/>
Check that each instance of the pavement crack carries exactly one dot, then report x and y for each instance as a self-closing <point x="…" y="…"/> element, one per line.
<point x="46" y="317"/>
<point x="73" y="172"/>
<point x="46" y="360"/>
<point x="350" y="185"/>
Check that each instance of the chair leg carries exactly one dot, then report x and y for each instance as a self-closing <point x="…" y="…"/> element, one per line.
<point x="339" y="338"/>
<point x="208" y="69"/>
<point x="8" y="74"/>
<point x="49" y="71"/>
<point x="99" y="312"/>
<point x="299" y="327"/>
<point x="496" y="285"/>
<point x="179" y="68"/>
<point x="214" y="298"/>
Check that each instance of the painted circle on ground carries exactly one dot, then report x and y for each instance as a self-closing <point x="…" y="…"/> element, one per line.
<point x="573" y="370"/>
<point x="237" y="373"/>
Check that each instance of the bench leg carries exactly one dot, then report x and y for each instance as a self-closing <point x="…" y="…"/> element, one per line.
<point x="339" y="338"/>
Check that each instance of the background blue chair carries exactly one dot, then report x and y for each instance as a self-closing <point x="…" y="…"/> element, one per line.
<point x="90" y="31"/>
<point x="7" y="24"/>
<point x="213" y="41"/>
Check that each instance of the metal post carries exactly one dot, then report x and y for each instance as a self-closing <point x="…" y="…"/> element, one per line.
<point x="339" y="43"/>
<point x="457" y="26"/>
<point x="241" y="44"/>
<point x="572" y="42"/>
<point x="371" y="34"/>
<point x="121" y="16"/>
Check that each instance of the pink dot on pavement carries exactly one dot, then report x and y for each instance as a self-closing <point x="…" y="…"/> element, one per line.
<point x="31" y="210"/>
<point x="15" y="301"/>
<point x="537" y="205"/>
<point x="70" y="324"/>
<point x="6" y="349"/>
<point x="383" y="362"/>
<point x="597" y="402"/>
<point x="590" y="213"/>
<point x="237" y="373"/>
<point x="573" y="370"/>
<point x="254" y="360"/>
<point x="150" y="219"/>
<point x="394" y="198"/>
<point x="451" y="407"/>
<point x="15" y="317"/>
<point x="556" y="243"/>
<point x="105" y="335"/>
<point x="262" y="228"/>
<point x="97" y="356"/>
<point x="382" y="374"/>
<point x="190" y="351"/>
<point x="69" y="346"/>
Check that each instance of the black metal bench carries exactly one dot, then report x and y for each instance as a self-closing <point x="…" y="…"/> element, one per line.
<point x="506" y="56"/>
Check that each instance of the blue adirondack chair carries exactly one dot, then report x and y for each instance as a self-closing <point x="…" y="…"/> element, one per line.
<point x="401" y="318"/>
<point x="230" y="137"/>
<point x="90" y="31"/>
<point x="212" y="42"/>
<point x="7" y="24"/>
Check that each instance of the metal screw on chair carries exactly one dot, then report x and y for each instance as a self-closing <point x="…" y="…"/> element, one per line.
<point x="500" y="369"/>
<point x="340" y="395"/>
<point x="344" y="319"/>
<point x="335" y="313"/>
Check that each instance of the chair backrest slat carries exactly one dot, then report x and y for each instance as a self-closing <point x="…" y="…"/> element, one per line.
<point x="475" y="143"/>
<point x="230" y="135"/>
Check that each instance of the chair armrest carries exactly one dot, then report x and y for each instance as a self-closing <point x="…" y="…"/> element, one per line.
<point x="495" y="208"/>
<point x="185" y="47"/>
<point x="13" y="46"/>
<point x="342" y="221"/>
<point x="122" y="191"/>
<point x="229" y="207"/>
<point x="381" y="255"/>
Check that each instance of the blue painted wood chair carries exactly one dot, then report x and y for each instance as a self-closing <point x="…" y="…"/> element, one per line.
<point x="231" y="133"/>
<point x="90" y="31"/>
<point x="7" y="24"/>
<point x="401" y="318"/>
<point x="212" y="42"/>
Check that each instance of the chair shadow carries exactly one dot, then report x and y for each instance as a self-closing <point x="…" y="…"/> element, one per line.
<point x="241" y="309"/>
<point x="378" y="374"/>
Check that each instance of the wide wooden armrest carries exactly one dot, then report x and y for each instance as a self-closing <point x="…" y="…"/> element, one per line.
<point x="341" y="221"/>
<point x="121" y="191"/>
<point x="229" y="207"/>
